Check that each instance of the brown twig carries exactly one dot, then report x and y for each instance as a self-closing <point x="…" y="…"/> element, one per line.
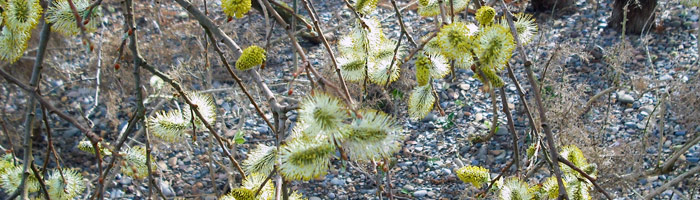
<point x="523" y="98"/>
<point x="493" y="181"/>
<point x="585" y="175"/>
<point x="673" y="182"/>
<point x="590" y="102"/>
<point x="257" y="191"/>
<point x="239" y="81"/>
<point x="312" y="13"/>
<point x="401" y="24"/>
<point x="42" y="185"/>
<point x="79" y="21"/>
<point x="94" y="138"/>
<point x="354" y="12"/>
<point x="538" y="99"/>
<point x="199" y="115"/>
<point x="511" y="127"/>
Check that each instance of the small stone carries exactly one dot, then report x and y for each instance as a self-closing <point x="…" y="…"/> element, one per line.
<point x="430" y="117"/>
<point x="647" y="109"/>
<point x="314" y="198"/>
<point x="408" y="187"/>
<point x="625" y="98"/>
<point x="336" y="181"/>
<point x="502" y="130"/>
<point x="464" y="86"/>
<point x="172" y="161"/>
<point x="478" y="117"/>
<point x="166" y="189"/>
<point x="666" y="77"/>
<point x="496" y="152"/>
<point x="420" y="193"/>
<point x="126" y="180"/>
<point x="680" y="133"/>
<point x="182" y="15"/>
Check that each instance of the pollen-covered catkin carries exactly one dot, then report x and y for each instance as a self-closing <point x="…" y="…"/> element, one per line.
<point x="422" y="70"/>
<point x="251" y="57"/>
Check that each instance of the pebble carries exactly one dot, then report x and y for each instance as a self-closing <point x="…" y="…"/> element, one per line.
<point x="625" y="98"/>
<point x="420" y="193"/>
<point x="166" y="189"/>
<point x="647" y="109"/>
<point x="336" y="181"/>
<point x="666" y="77"/>
<point x="408" y="187"/>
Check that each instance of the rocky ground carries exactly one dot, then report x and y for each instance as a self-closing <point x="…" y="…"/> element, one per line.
<point x="587" y="60"/>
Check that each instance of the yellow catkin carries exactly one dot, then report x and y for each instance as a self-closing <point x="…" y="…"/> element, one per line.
<point x="236" y="8"/>
<point x="422" y="70"/>
<point x="251" y="57"/>
<point x="485" y="15"/>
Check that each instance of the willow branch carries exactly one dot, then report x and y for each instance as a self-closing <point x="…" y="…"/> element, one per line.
<point x="312" y="13"/>
<point x="195" y="108"/>
<point x="538" y="99"/>
<point x="94" y="138"/>
<point x="585" y="175"/>
<point x="216" y="31"/>
<point x="239" y="81"/>
<point x="590" y="102"/>
<point x="511" y="128"/>
<point x="301" y="52"/>
<point x="402" y="25"/>
<point x="673" y="182"/>
<point x="523" y="98"/>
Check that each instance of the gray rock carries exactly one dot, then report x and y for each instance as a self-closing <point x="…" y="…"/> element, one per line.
<point x="625" y="98"/>
<point x="430" y="117"/>
<point x="336" y="181"/>
<point x="445" y="171"/>
<point x="647" y="109"/>
<point x="408" y="187"/>
<point x="182" y="15"/>
<point x="166" y="189"/>
<point x="404" y="164"/>
<point x="666" y="77"/>
<point x="464" y="86"/>
<point x="420" y="193"/>
<point x="115" y="193"/>
<point x="126" y="180"/>
<point x="502" y="130"/>
<point x="314" y="198"/>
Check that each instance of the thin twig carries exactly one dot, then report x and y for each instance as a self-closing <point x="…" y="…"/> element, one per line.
<point x="538" y="99"/>
<point x="402" y="25"/>
<point x="239" y="82"/>
<point x="312" y="13"/>
<point x="523" y="98"/>
<point x="593" y="99"/>
<point x="42" y="185"/>
<point x="493" y="181"/>
<point x="511" y="127"/>
<point x="585" y="175"/>
<point x="94" y="138"/>
<point x="79" y="21"/>
<point x="29" y="112"/>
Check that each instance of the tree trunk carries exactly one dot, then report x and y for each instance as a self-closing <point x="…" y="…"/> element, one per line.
<point x="548" y="5"/>
<point x="640" y="15"/>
